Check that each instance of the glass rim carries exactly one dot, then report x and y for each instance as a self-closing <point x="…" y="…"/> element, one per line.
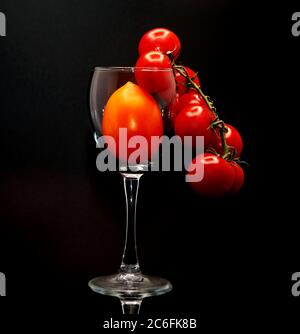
<point x="131" y="68"/>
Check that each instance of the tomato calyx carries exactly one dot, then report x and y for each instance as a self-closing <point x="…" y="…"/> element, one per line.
<point x="171" y="57"/>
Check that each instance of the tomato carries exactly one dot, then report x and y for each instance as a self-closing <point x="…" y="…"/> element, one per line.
<point x="152" y="80"/>
<point x="195" y="121"/>
<point x="239" y="178"/>
<point x="160" y="39"/>
<point x="132" y="108"/>
<point x="233" y="138"/>
<point x="190" y="98"/>
<point x="182" y="81"/>
<point x="218" y="175"/>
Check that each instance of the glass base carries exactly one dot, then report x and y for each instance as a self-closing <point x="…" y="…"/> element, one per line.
<point x="130" y="286"/>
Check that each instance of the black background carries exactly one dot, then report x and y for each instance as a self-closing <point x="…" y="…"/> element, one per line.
<point x="62" y="222"/>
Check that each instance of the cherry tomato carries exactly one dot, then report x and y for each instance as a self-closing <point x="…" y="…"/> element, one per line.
<point x="154" y="81"/>
<point x="239" y="178"/>
<point x="160" y="39"/>
<point x="182" y="81"/>
<point x="190" y="98"/>
<point x="218" y="175"/>
<point x="132" y="108"/>
<point x="195" y="121"/>
<point x="233" y="138"/>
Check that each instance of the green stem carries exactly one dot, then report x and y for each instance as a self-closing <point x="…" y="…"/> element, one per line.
<point x="181" y="70"/>
<point x="226" y="149"/>
<point x="217" y="122"/>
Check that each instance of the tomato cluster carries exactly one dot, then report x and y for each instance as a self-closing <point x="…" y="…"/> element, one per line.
<point x="191" y="113"/>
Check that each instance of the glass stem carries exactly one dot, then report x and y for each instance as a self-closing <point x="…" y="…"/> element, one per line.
<point x="130" y="262"/>
<point x="131" y="307"/>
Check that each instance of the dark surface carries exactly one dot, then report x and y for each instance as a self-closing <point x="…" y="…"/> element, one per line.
<point x="62" y="222"/>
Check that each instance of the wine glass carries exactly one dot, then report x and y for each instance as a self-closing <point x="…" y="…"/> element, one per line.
<point x="129" y="284"/>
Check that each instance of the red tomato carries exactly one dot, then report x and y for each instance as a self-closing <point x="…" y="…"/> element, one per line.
<point x="239" y="178"/>
<point x="233" y="138"/>
<point x="160" y="39"/>
<point x="149" y="79"/>
<point x="190" y="98"/>
<point x="195" y="121"/>
<point x="132" y="108"/>
<point x="182" y="81"/>
<point x="218" y="175"/>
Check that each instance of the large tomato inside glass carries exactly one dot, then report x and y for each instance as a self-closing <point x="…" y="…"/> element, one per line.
<point x="132" y="108"/>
